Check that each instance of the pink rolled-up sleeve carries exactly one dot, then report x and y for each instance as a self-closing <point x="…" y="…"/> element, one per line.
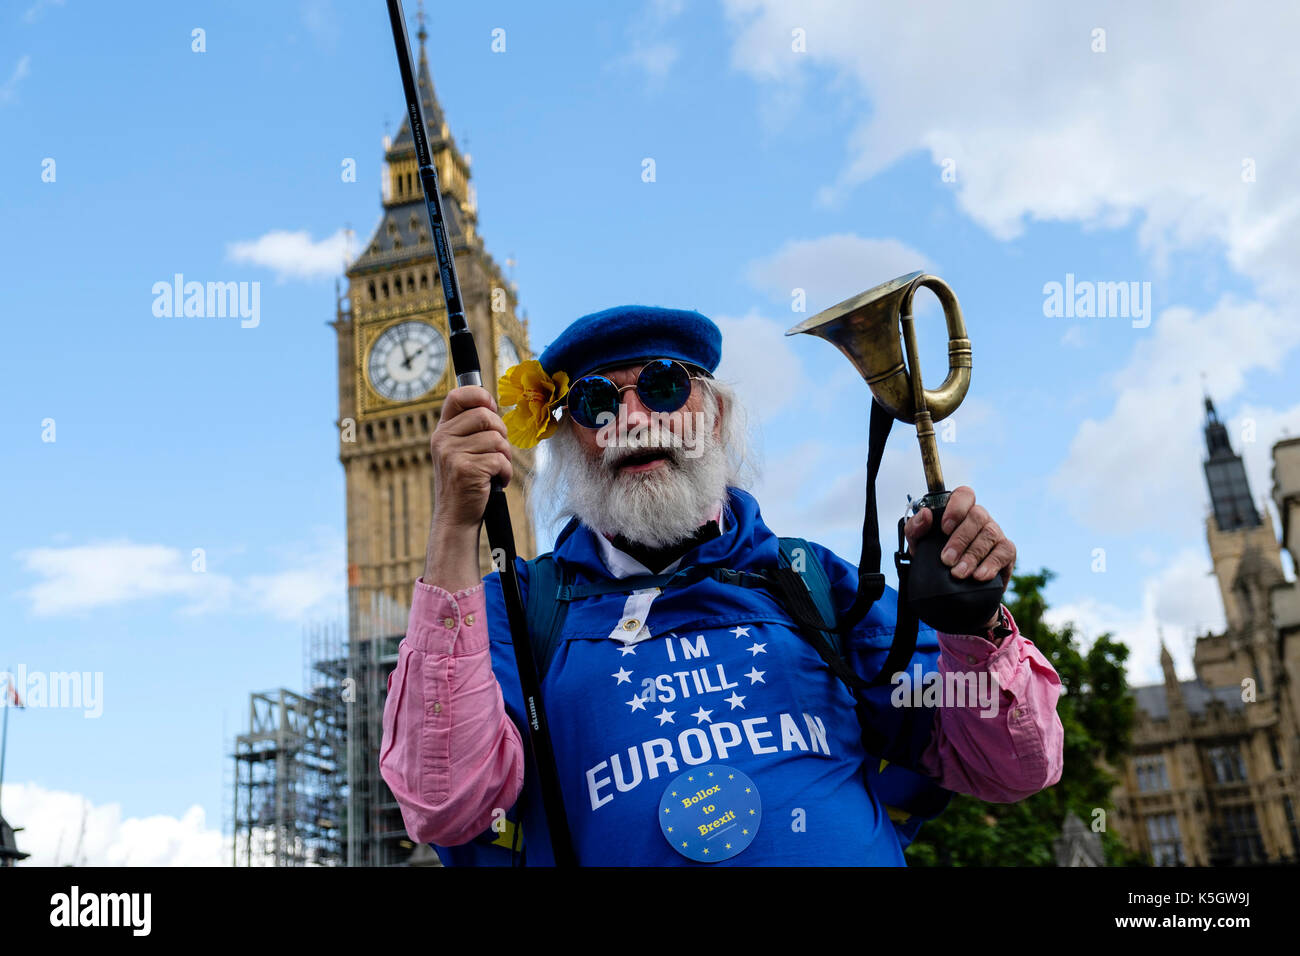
<point x="1010" y="746"/>
<point x="450" y="753"/>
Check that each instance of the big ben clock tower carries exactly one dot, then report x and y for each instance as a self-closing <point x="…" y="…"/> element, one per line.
<point x="394" y="366"/>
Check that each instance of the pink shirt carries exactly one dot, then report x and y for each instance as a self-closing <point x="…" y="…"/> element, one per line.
<point x="451" y="754"/>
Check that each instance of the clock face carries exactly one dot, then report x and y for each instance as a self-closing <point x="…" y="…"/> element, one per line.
<point x="406" y="361"/>
<point x="507" y="354"/>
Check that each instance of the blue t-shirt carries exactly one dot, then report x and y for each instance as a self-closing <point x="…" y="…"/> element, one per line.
<point x="725" y="684"/>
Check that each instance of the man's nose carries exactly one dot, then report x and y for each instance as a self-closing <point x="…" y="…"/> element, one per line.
<point x="637" y="413"/>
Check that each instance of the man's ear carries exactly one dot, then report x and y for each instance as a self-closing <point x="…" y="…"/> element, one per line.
<point x="717" y="419"/>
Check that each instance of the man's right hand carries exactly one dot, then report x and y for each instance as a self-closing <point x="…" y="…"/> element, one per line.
<point x="469" y="447"/>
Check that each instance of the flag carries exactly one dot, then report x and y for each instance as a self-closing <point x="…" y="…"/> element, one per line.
<point x="11" y="695"/>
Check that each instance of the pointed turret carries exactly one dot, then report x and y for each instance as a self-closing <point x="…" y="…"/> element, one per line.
<point x="403" y="232"/>
<point x="1226" y="475"/>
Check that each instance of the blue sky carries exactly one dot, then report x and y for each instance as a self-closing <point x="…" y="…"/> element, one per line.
<point x="795" y="146"/>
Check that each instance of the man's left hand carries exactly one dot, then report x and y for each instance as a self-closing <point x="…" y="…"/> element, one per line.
<point x="976" y="545"/>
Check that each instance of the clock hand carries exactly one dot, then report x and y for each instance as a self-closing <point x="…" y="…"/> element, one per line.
<point x="406" y="363"/>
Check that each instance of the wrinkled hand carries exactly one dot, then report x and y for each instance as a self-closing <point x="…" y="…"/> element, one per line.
<point x="976" y="544"/>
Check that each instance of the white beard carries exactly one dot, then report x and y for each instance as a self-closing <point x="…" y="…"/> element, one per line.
<point x="654" y="508"/>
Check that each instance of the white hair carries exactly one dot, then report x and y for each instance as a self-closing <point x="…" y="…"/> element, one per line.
<point x="656" y="511"/>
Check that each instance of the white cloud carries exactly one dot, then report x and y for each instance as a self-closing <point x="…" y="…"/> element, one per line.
<point x="9" y="89"/>
<point x="1074" y="337"/>
<point x="36" y="9"/>
<point x="649" y="51"/>
<point x="1181" y="601"/>
<point x="758" y="360"/>
<point x="322" y="23"/>
<point x="315" y="581"/>
<point x="1155" y="129"/>
<point x="832" y="268"/>
<point x="293" y="255"/>
<point x="1253" y="430"/>
<point x="1139" y="468"/>
<point x="54" y="833"/>
<point x="79" y="578"/>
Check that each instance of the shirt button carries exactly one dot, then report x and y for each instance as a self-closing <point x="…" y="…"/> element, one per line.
<point x="970" y="658"/>
<point x="449" y="622"/>
<point x="1020" y="712"/>
<point x="470" y="620"/>
<point x="437" y="707"/>
<point x="631" y="624"/>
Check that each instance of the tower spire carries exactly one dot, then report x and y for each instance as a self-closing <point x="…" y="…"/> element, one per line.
<point x="1225" y="474"/>
<point x="421" y="33"/>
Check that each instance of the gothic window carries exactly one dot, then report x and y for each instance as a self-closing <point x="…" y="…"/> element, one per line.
<point x="1289" y="807"/>
<point x="1151" y="774"/>
<point x="424" y="280"/>
<point x="1166" y="842"/>
<point x="1227" y="763"/>
<point x="392" y="521"/>
<point x="410" y="282"/>
<point x="372" y="290"/>
<point x="1240" y="835"/>
<point x="1276" y="752"/>
<point x="406" y="521"/>
<point x="385" y="288"/>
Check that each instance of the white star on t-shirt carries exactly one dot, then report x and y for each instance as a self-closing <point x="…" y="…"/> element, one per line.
<point x="623" y="675"/>
<point x="757" y="648"/>
<point x="665" y="716"/>
<point x="735" y="701"/>
<point x="740" y="631"/>
<point x="627" y="649"/>
<point x="755" y="676"/>
<point x="702" y="715"/>
<point x="636" y="703"/>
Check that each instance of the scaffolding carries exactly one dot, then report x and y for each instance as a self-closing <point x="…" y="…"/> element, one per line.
<point x="307" y="788"/>
<point x="290" y="786"/>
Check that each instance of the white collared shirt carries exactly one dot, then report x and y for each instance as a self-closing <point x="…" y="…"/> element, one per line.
<point x="631" y="627"/>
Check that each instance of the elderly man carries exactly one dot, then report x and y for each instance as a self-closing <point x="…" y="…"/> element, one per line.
<point x="693" y="721"/>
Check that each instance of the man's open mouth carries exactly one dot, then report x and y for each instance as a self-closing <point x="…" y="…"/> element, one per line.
<point x="644" y="460"/>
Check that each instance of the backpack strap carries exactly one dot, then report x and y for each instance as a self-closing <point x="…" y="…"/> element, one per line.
<point x="796" y="554"/>
<point x="544" y="612"/>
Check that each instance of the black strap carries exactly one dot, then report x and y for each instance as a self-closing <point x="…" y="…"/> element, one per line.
<point x="871" y="583"/>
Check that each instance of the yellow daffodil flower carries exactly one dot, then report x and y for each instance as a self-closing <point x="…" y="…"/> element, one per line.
<point x="534" y="395"/>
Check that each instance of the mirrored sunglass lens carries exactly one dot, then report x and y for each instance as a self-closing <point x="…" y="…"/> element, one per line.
<point x="664" y="386"/>
<point x="591" y="396"/>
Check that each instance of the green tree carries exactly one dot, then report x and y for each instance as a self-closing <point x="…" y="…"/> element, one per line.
<point x="1096" y="711"/>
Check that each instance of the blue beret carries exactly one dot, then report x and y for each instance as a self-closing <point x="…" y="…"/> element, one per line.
<point x="628" y="334"/>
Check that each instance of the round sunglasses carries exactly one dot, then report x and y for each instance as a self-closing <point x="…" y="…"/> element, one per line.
<point x="663" y="385"/>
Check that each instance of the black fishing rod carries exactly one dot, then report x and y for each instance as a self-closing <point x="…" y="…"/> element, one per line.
<point x="496" y="518"/>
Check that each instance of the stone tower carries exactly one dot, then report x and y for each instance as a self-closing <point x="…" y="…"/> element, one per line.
<point x="394" y="367"/>
<point x="1248" y="566"/>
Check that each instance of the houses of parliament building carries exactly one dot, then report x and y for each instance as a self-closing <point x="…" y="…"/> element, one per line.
<point x="1213" y="775"/>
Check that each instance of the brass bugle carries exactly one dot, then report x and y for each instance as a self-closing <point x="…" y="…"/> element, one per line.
<point x="874" y="329"/>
